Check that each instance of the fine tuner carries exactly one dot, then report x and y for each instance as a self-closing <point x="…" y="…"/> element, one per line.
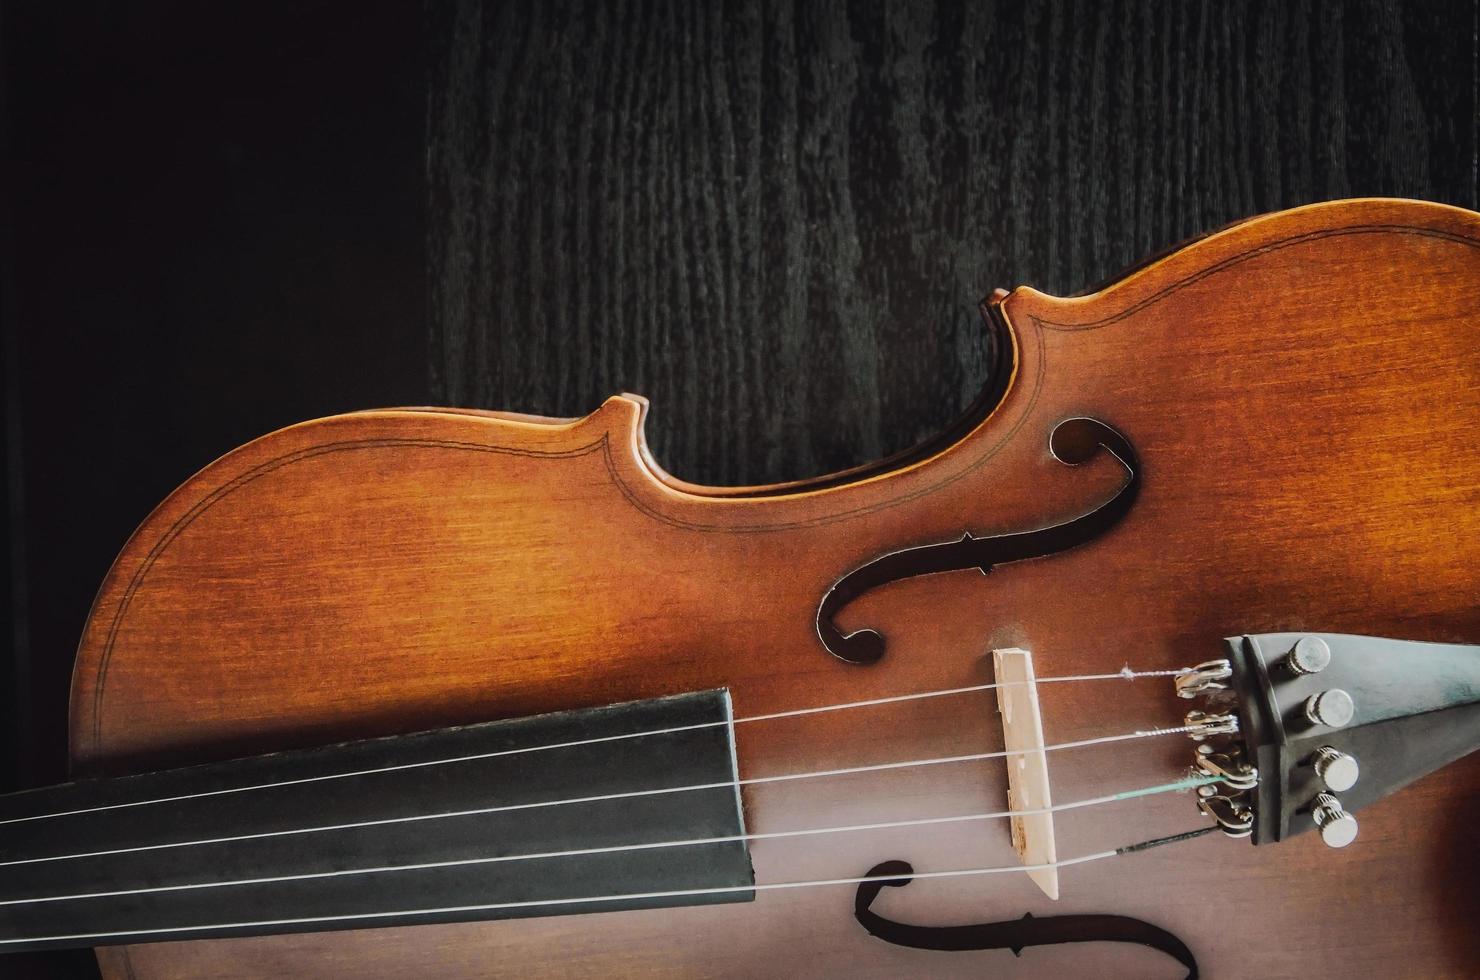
<point x="1283" y="740"/>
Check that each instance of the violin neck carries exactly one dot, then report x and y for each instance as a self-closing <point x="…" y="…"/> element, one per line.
<point x="420" y="828"/>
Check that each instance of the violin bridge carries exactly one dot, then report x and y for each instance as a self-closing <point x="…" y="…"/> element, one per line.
<point x="1027" y="765"/>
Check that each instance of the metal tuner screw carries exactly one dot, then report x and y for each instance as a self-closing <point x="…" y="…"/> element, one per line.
<point x="1337" y="769"/>
<point x="1333" y="708"/>
<point x="1338" y="828"/>
<point x="1310" y="655"/>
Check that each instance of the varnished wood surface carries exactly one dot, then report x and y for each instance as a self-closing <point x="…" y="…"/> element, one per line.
<point x="388" y="571"/>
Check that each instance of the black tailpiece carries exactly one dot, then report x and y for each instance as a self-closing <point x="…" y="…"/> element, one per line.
<point x="1408" y="708"/>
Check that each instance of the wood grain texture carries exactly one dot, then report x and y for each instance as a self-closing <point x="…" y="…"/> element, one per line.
<point x="1301" y="390"/>
<point x="775" y="220"/>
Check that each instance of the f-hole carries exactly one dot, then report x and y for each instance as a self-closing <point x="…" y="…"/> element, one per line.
<point x="1013" y="934"/>
<point x="1072" y="442"/>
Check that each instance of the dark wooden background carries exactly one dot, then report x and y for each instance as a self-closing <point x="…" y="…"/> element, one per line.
<point x="775" y="220"/>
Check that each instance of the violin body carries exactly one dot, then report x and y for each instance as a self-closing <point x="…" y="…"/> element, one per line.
<point x="1301" y="391"/>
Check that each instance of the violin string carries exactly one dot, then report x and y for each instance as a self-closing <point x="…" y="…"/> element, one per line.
<point x="677" y="893"/>
<point x="1181" y="784"/>
<point x="729" y="784"/>
<point x="970" y="757"/>
<point x="1125" y="673"/>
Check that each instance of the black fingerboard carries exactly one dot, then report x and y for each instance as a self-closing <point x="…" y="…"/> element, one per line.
<point x="584" y="789"/>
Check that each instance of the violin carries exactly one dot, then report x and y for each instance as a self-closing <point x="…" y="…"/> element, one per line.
<point x="1160" y="663"/>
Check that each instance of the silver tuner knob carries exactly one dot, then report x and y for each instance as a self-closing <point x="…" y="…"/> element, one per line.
<point x="1205" y="678"/>
<point x="1338" y="828"/>
<point x="1234" y="818"/>
<point x="1337" y="769"/>
<point x="1231" y="771"/>
<point x="1310" y="655"/>
<point x="1333" y="708"/>
<point x="1202" y="724"/>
